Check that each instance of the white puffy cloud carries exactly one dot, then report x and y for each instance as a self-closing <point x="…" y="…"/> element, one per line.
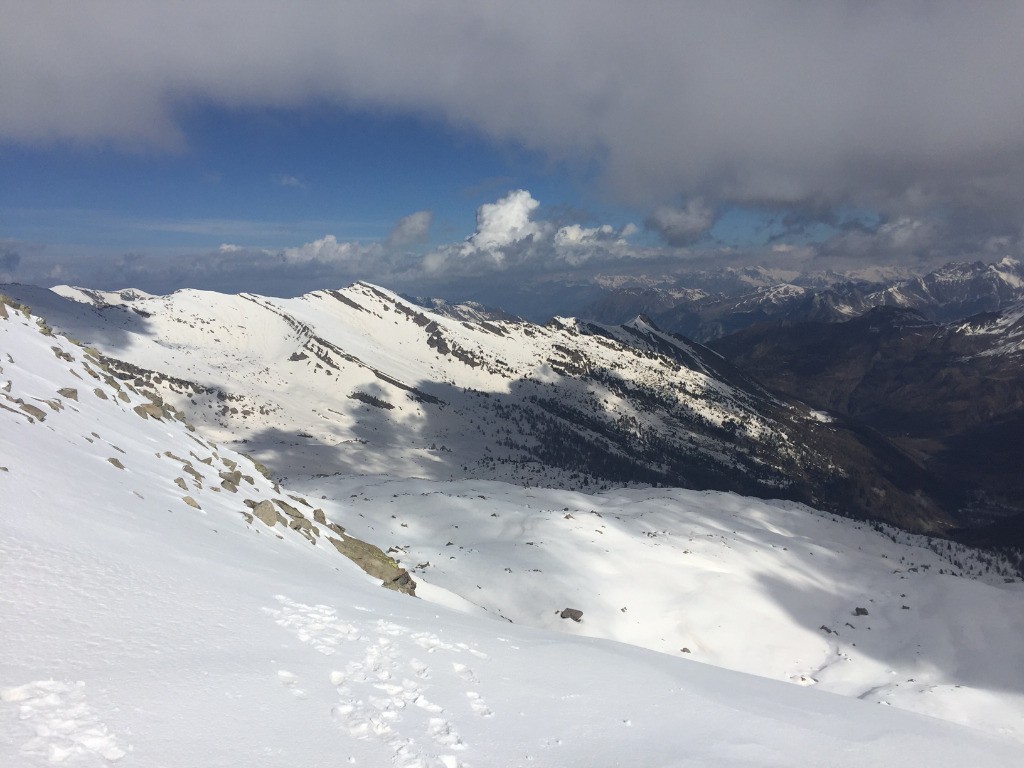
<point x="507" y="221"/>
<point x="508" y="237"/>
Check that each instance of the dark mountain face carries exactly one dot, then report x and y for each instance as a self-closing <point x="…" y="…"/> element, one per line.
<point x="953" y="395"/>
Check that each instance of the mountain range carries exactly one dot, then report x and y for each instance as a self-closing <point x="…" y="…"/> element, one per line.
<point x="950" y="394"/>
<point x="168" y="603"/>
<point x="361" y="380"/>
<point x="707" y="305"/>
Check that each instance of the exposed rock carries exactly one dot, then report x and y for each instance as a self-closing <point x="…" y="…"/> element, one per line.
<point x="100" y="393"/>
<point x="191" y="502"/>
<point x="288" y="509"/>
<point x="300" y="523"/>
<point x="266" y="512"/>
<point x="234" y="477"/>
<point x="318" y="515"/>
<point x="117" y="463"/>
<point x="228" y="486"/>
<point x="860" y="612"/>
<point x="572" y="613"/>
<point x="147" y="410"/>
<point x="377" y="564"/>
<point x="69" y="392"/>
<point x="180" y="482"/>
<point x="31" y="410"/>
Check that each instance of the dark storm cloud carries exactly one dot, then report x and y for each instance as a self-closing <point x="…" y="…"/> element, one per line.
<point x="903" y="107"/>
<point x="681" y="226"/>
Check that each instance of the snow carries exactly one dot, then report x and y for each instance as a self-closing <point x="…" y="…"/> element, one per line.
<point x="291" y="367"/>
<point x="141" y="630"/>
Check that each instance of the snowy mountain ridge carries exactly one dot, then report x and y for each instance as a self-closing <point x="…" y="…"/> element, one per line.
<point x="360" y="380"/>
<point x="147" y="630"/>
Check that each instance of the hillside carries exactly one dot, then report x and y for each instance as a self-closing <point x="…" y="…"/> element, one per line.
<point x="952" y="394"/>
<point x="361" y="381"/>
<point x="146" y="630"/>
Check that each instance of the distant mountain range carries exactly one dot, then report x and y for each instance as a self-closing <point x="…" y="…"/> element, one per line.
<point x="711" y="304"/>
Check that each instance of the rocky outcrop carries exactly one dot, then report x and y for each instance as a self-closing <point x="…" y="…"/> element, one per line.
<point x="376" y="563"/>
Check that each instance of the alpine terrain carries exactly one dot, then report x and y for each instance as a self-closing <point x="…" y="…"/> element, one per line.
<point x="169" y="601"/>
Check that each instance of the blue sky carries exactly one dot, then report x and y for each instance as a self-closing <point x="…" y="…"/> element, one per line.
<point x="269" y="178"/>
<point x="431" y="144"/>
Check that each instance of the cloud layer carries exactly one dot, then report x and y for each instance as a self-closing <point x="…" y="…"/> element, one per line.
<point x="904" y="107"/>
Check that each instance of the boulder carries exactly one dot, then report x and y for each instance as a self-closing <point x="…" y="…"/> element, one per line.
<point x="376" y="564"/>
<point x="572" y="613"/>
<point x="266" y="512"/>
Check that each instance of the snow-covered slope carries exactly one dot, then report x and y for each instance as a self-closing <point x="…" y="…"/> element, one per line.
<point x="143" y="629"/>
<point x="362" y="381"/>
<point x="771" y="588"/>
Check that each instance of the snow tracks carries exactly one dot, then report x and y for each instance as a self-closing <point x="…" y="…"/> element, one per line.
<point x="391" y="690"/>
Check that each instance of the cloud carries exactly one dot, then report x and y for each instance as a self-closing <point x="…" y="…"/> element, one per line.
<point x="411" y="230"/>
<point x="510" y="238"/>
<point x="879" y="104"/>
<point x="290" y="181"/>
<point x="682" y="226"/>
<point x="506" y="222"/>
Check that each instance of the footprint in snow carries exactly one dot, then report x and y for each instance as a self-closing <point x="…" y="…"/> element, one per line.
<point x="478" y="705"/>
<point x="65" y="727"/>
<point x="465" y="673"/>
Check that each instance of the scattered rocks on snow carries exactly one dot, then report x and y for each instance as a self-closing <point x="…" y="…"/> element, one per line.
<point x="860" y="611"/>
